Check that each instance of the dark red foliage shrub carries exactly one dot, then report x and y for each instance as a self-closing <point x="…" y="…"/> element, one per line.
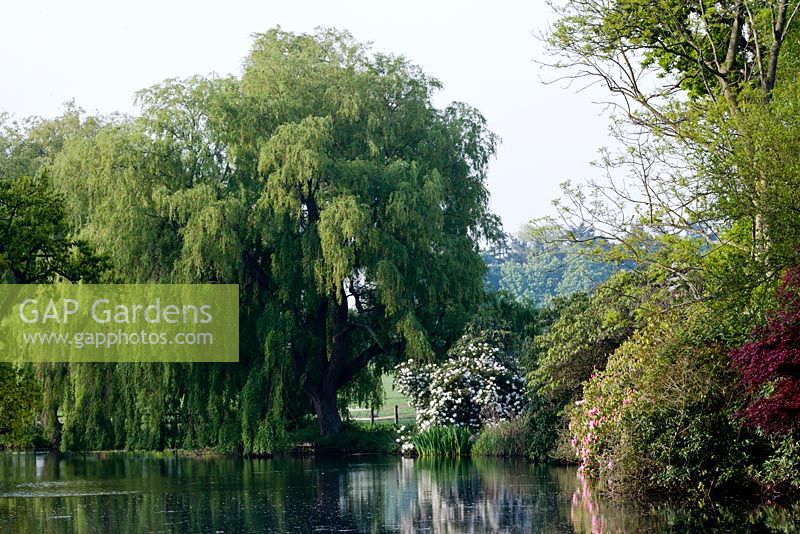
<point x="770" y="364"/>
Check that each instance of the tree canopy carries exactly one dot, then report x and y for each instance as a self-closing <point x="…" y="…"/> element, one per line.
<point x="324" y="181"/>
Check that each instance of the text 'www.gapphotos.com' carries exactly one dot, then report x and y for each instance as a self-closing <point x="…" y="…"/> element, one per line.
<point x="80" y="340"/>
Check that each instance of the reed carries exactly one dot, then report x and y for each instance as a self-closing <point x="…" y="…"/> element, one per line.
<point x="443" y="441"/>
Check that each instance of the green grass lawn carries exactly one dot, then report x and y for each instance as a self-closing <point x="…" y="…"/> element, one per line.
<point x="393" y="397"/>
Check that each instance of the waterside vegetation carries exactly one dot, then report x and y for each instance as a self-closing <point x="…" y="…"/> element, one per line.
<point x="649" y="334"/>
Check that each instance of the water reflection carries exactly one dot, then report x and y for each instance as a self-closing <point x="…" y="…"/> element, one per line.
<point x="164" y="493"/>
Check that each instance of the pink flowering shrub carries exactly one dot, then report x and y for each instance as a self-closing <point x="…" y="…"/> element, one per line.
<point x="594" y="421"/>
<point x="659" y="418"/>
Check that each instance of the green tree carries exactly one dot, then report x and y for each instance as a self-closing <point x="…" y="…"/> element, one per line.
<point x="586" y="331"/>
<point x="161" y="197"/>
<point x="702" y="91"/>
<point x="702" y="197"/>
<point x="20" y="401"/>
<point x="35" y="241"/>
<point x="702" y="47"/>
<point x="327" y="185"/>
<point x="546" y="262"/>
<point x="36" y="247"/>
<point x="36" y="244"/>
<point x="374" y="201"/>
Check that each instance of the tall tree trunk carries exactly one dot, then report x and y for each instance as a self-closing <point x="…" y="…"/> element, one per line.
<point x="761" y="242"/>
<point x="340" y="369"/>
<point x="326" y="409"/>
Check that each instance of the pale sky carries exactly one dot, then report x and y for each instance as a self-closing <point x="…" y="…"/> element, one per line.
<point x="100" y="53"/>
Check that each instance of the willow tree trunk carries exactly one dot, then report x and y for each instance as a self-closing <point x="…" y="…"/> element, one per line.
<point x="329" y="369"/>
<point x="326" y="409"/>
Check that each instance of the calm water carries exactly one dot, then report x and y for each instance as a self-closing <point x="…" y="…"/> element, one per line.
<point x="127" y="492"/>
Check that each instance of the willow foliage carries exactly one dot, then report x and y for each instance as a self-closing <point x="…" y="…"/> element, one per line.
<point x="326" y="184"/>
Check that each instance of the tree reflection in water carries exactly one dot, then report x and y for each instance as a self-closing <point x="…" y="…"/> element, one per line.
<point x="127" y="492"/>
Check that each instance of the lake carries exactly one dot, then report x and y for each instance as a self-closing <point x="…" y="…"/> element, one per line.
<point x="132" y="492"/>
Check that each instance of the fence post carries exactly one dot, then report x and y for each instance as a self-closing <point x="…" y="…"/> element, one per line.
<point x="396" y="415"/>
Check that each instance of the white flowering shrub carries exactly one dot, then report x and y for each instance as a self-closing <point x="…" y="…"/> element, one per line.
<point x="405" y="438"/>
<point x="479" y="383"/>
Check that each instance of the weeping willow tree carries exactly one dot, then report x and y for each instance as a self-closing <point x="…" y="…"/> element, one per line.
<point x="328" y="186"/>
<point x="36" y="247"/>
<point x="160" y="197"/>
<point x="373" y="200"/>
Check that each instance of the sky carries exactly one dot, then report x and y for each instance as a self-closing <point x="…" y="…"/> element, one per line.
<point x="100" y="53"/>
